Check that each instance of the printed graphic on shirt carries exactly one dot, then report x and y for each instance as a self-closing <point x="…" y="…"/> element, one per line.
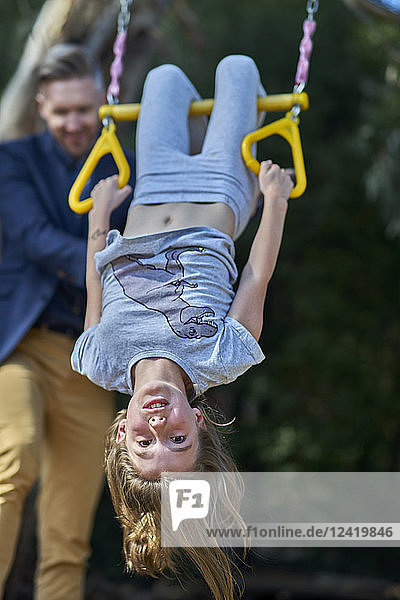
<point x="161" y="290"/>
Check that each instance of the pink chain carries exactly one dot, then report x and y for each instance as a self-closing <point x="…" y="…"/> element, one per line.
<point x="306" y="46"/>
<point x="116" y="66"/>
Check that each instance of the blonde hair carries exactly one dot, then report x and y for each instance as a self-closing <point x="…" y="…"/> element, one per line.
<point x="137" y="502"/>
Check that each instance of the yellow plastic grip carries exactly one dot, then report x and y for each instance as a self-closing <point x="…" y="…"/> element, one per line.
<point x="287" y="127"/>
<point x="107" y="143"/>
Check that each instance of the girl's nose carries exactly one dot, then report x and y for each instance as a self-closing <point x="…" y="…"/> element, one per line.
<point x="157" y="421"/>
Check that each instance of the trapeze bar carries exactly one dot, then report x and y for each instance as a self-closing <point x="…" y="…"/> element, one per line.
<point x="273" y="103"/>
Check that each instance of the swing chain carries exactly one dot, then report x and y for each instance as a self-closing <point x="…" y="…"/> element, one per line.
<point x="306" y="45"/>
<point x="312" y="8"/>
<point x="116" y="68"/>
<point x="124" y="15"/>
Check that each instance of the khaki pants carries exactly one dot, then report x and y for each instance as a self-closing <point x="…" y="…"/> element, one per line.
<point x="52" y="426"/>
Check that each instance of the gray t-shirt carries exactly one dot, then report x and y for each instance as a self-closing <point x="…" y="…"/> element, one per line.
<point x="167" y="295"/>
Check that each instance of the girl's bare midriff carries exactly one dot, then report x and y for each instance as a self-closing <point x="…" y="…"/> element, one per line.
<point x="144" y="219"/>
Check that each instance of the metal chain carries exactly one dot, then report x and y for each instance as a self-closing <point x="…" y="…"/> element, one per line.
<point x="116" y="68"/>
<point x="124" y="15"/>
<point x="306" y="45"/>
<point x="312" y="8"/>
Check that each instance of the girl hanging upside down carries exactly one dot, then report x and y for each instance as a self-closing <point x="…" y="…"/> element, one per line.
<point x="163" y="323"/>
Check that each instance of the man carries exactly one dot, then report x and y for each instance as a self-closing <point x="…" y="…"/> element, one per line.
<point x="52" y="421"/>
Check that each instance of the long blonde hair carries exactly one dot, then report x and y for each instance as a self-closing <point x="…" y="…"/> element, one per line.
<point x="137" y="502"/>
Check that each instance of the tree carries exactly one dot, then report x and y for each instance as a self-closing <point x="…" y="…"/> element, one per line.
<point x="91" y="22"/>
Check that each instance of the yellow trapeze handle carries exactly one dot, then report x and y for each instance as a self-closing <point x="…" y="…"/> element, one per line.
<point x="106" y="144"/>
<point x="273" y="103"/>
<point x="287" y="127"/>
<point x="108" y="141"/>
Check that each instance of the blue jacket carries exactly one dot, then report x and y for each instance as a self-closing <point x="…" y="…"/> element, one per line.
<point x="42" y="241"/>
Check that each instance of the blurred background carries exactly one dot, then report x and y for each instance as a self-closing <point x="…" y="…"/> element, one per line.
<point x="328" y="396"/>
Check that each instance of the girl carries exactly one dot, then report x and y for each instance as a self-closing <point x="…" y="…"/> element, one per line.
<point x="163" y="323"/>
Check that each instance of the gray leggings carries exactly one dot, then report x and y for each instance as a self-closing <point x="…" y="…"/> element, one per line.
<point x="184" y="160"/>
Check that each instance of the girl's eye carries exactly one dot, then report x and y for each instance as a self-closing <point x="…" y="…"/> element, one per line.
<point x="144" y="443"/>
<point x="178" y="439"/>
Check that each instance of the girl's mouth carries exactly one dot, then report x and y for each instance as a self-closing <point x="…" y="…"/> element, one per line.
<point x="156" y="403"/>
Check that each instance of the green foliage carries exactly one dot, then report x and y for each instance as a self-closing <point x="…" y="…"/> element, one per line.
<point x="16" y="20"/>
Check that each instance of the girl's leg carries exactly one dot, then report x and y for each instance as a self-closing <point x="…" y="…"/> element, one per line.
<point x="237" y="86"/>
<point x="166" y="172"/>
<point x="163" y="133"/>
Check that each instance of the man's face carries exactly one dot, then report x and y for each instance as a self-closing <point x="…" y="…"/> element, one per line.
<point x="69" y="108"/>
